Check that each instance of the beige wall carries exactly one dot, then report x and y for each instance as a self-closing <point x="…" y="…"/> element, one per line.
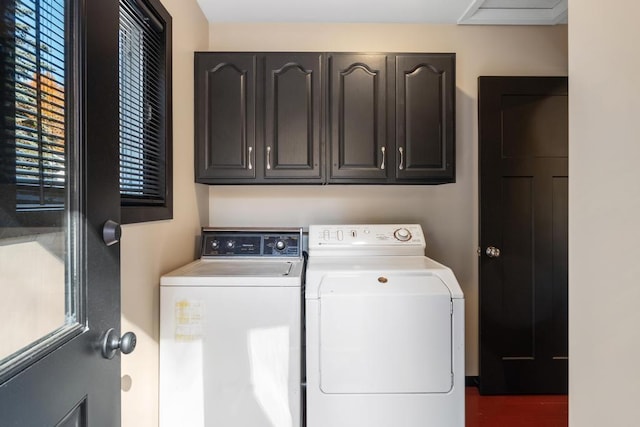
<point x="604" y="207"/>
<point x="448" y="213"/>
<point x="151" y="249"/>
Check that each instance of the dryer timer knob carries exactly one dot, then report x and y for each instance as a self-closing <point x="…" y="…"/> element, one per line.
<point x="402" y="234"/>
<point x="280" y="245"/>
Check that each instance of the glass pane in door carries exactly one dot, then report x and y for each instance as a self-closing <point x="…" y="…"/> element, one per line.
<point x="38" y="202"/>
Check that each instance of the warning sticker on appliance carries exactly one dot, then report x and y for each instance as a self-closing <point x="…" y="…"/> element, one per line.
<point x="188" y="318"/>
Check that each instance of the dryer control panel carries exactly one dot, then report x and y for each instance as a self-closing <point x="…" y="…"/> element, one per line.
<point x="366" y="239"/>
<point x="218" y="242"/>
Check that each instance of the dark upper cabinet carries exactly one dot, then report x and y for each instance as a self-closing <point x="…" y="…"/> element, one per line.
<point x="425" y="118"/>
<point x="293" y="112"/>
<point x="225" y="122"/>
<point x="357" y="113"/>
<point x="258" y="117"/>
<point x="275" y="117"/>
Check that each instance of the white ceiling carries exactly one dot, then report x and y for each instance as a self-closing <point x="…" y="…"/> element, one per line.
<point x="503" y="12"/>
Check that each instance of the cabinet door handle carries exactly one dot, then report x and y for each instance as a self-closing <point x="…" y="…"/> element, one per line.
<point x="383" y="149"/>
<point x="250" y="165"/>
<point x="268" y="157"/>
<point x="401" y="150"/>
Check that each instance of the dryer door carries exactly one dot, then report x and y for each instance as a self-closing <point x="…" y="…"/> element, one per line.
<point x="385" y="334"/>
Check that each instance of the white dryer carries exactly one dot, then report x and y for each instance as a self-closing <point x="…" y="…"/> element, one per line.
<point x="384" y="330"/>
<point x="230" y="332"/>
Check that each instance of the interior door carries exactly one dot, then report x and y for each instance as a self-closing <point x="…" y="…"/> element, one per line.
<point x="523" y="125"/>
<point x="59" y="181"/>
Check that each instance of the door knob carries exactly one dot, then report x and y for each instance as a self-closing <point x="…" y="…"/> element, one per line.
<point x="492" y="252"/>
<point x="111" y="343"/>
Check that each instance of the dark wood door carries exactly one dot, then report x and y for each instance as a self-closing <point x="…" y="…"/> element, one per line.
<point x="523" y="234"/>
<point x="293" y="113"/>
<point x="357" y="129"/>
<point x="58" y="375"/>
<point x="425" y="117"/>
<point x="225" y="124"/>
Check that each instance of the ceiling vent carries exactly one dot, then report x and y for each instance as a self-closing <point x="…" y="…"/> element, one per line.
<point x="515" y="12"/>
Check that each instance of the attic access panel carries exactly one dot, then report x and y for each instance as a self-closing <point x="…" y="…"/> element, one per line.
<point x="515" y="12"/>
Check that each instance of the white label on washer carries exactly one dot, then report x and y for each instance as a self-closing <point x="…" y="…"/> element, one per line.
<point x="188" y="318"/>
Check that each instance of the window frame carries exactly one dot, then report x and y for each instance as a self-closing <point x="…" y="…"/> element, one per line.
<point x="136" y="211"/>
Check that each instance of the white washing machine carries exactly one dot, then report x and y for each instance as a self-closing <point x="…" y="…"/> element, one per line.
<point x="230" y="332"/>
<point x="384" y="330"/>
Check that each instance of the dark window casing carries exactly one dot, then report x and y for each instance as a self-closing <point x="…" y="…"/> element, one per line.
<point x="146" y="184"/>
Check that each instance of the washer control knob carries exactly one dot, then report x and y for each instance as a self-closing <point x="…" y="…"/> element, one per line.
<point x="402" y="234"/>
<point x="280" y="245"/>
<point x="230" y="244"/>
<point x="215" y="244"/>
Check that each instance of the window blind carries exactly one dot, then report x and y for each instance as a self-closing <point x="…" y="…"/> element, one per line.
<point x="142" y="101"/>
<point x="39" y="94"/>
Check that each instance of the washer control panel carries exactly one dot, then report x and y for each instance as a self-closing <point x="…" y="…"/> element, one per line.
<point x="374" y="239"/>
<point x="248" y="242"/>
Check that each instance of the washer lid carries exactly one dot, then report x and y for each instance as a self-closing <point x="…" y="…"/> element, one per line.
<point x="242" y="269"/>
<point x="237" y="272"/>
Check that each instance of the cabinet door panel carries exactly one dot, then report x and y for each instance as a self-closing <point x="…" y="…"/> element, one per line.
<point x="357" y="112"/>
<point x="292" y="116"/>
<point x="425" y="97"/>
<point x="225" y="85"/>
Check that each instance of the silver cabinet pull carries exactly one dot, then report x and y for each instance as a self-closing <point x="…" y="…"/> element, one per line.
<point x="250" y="165"/>
<point x="401" y="150"/>
<point x="268" y="157"/>
<point x="383" y="149"/>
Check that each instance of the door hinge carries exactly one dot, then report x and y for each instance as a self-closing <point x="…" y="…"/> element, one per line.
<point x="479" y="251"/>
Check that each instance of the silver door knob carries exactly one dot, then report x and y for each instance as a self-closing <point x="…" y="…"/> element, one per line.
<point x="111" y="343"/>
<point x="492" y="252"/>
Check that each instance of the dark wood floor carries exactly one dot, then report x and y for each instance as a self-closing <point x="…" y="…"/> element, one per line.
<point x="515" y="411"/>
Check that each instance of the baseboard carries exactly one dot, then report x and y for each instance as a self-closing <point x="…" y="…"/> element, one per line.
<point x="471" y="381"/>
